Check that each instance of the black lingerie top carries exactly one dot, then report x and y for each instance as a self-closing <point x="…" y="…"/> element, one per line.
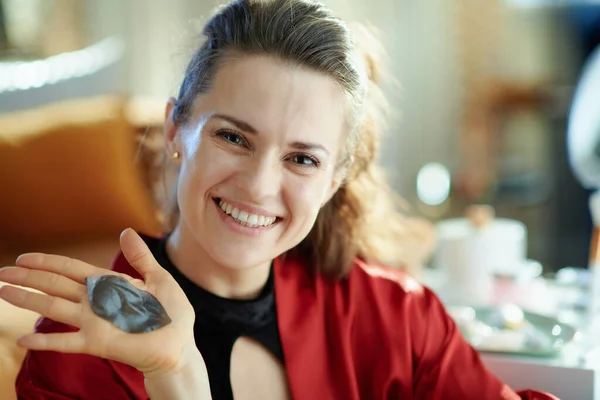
<point x="220" y="322"/>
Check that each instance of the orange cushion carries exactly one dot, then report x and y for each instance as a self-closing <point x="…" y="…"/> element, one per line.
<point x="68" y="170"/>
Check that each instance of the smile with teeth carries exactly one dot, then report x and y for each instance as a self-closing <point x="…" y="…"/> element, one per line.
<point x="244" y="218"/>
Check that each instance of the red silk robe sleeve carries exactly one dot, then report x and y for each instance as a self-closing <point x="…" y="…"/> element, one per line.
<point x="448" y="367"/>
<point x="48" y="375"/>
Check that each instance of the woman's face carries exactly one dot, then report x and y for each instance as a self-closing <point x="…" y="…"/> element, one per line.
<point x="258" y="159"/>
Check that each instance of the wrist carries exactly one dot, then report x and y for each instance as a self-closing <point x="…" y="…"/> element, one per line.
<point x="187" y="380"/>
<point x="189" y="359"/>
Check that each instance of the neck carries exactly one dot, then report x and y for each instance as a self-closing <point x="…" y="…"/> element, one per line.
<point x="192" y="261"/>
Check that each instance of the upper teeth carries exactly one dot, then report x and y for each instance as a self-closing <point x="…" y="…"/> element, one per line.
<point x="245" y="218"/>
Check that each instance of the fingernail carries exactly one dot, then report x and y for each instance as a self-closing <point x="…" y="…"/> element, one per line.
<point x="22" y="257"/>
<point x="20" y="341"/>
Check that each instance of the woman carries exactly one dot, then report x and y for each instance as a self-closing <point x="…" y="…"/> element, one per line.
<point x="266" y="286"/>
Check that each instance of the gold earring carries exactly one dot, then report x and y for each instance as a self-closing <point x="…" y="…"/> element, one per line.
<point x="175" y="155"/>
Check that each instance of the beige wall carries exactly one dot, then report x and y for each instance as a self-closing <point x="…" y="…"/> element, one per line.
<point x="419" y="38"/>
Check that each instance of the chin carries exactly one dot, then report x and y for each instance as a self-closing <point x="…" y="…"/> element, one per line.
<point x="241" y="260"/>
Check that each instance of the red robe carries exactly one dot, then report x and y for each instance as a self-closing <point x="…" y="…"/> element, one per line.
<point x="376" y="335"/>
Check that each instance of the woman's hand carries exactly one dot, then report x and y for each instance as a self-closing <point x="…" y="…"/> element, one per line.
<point x="64" y="298"/>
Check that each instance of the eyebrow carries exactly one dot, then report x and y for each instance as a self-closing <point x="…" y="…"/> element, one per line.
<point x="238" y="123"/>
<point x="308" y="146"/>
<point x="246" y="127"/>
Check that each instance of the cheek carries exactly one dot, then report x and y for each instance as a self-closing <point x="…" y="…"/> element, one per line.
<point x="304" y="198"/>
<point x="200" y="173"/>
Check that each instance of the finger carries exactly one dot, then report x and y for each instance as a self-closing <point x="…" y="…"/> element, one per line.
<point x="47" y="282"/>
<point x="73" y="269"/>
<point x="138" y="254"/>
<point x="71" y="342"/>
<point x="55" y="308"/>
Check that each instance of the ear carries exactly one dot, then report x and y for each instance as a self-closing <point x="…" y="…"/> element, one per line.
<point x="170" y="130"/>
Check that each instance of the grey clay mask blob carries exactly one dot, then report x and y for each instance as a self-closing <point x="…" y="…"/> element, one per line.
<point x="119" y="302"/>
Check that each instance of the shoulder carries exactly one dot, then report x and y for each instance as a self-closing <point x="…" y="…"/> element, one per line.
<point x="398" y="295"/>
<point x="392" y="287"/>
<point x="374" y="309"/>
<point x="380" y="291"/>
<point x="379" y="277"/>
<point x="409" y="315"/>
<point x="369" y="288"/>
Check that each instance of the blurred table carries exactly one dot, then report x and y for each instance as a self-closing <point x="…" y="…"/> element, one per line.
<point x="566" y="380"/>
<point x="575" y="373"/>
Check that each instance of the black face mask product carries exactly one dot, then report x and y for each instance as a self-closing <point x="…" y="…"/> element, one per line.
<point x="119" y="302"/>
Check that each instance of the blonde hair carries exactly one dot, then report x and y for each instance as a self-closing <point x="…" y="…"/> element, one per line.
<point x="361" y="219"/>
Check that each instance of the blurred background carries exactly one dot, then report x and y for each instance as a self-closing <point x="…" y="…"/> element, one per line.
<point x="481" y="93"/>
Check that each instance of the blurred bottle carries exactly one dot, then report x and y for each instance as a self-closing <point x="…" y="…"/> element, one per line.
<point x="594" y="269"/>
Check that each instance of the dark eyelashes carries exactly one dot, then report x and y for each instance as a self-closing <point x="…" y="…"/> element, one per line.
<point x="315" y="162"/>
<point x="226" y="135"/>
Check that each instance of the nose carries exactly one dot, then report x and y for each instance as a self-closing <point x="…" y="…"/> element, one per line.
<point x="261" y="178"/>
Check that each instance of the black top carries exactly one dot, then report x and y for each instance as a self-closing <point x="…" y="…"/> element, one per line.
<point x="220" y="322"/>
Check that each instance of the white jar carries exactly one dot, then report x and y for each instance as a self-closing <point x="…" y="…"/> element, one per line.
<point x="472" y="250"/>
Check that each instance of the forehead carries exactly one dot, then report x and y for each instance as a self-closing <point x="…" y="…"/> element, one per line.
<point x="276" y="97"/>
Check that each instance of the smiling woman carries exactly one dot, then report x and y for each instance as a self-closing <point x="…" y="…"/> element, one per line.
<point x="269" y="273"/>
<point x="278" y="90"/>
<point x="267" y="138"/>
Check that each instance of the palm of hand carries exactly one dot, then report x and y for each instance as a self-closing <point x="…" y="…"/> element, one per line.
<point x="108" y="341"/>
<point x="66" y="300"/>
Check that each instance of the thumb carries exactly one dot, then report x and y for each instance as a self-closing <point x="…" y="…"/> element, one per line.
<point x="138" y="254"/>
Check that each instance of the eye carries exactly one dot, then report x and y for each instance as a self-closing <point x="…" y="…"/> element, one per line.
<point x="305" y="160"/>
<point x="232" y="137"/>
